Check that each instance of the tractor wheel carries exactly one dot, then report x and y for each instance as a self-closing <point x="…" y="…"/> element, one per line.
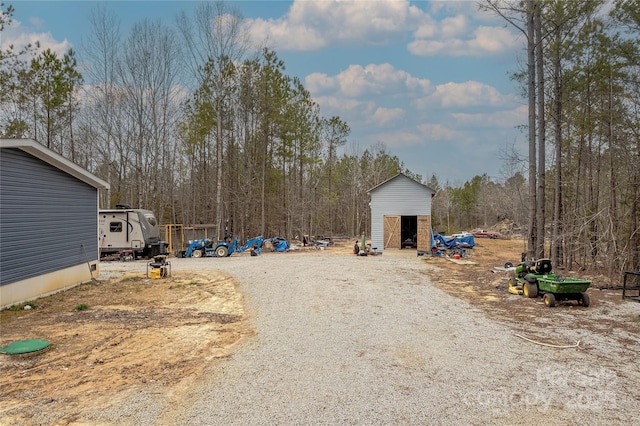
<point x="549" y="300"/>
<point x="222" y="251"/>
<point x="530" y="289"/>
<point x="584" y="300"/>
<point x="508" y="265"/>
<point x="196" y="253"/>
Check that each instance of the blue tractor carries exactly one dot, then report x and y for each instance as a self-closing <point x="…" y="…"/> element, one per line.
<point x="198" y="248"/>
<point x="206" y="247"/>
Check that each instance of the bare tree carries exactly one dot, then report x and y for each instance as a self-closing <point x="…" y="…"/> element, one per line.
<point x="214" y="38"/>
<point x="100" y="53"/>
<point x="524" y="21"/>
<point x="147" y="72"/>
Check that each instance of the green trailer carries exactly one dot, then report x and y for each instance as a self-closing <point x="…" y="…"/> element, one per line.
<point x="536" y="278"/>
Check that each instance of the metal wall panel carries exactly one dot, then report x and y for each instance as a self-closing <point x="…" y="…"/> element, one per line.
<point x="48" y="218"/>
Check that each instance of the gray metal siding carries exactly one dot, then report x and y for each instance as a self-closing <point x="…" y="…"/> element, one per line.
<point x="398" y="197"/>
<point x="46" y="217"/>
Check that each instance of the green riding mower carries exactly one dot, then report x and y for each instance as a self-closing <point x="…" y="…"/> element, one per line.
<point x="536" y="278"/>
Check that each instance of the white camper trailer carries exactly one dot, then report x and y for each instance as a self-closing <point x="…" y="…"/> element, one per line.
<point x="132" y="231"/>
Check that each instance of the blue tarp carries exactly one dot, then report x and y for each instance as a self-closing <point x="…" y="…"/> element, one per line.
<point x="279" y="243"/>
<point x="454" y="242"/>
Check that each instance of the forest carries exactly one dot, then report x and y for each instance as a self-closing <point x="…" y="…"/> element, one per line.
<point x="193" y="122"/>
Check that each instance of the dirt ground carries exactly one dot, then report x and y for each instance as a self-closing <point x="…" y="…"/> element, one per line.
<point x="137" y="331"/>
<point x="485" y="287"/>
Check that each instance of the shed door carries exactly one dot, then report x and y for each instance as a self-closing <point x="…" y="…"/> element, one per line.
<point x="392" y="232"/>
<point x="424" y="233"/>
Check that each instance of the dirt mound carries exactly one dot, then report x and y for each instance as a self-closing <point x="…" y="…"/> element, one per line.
<point x="507" y="229"/>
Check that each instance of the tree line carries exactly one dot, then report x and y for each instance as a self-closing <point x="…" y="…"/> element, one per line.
<point x="182" y="120"/>
<point x="192" y="121"/>
<point x="582" y="83"/>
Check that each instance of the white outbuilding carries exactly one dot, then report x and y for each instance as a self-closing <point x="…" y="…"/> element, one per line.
<point x="401" y="215"/>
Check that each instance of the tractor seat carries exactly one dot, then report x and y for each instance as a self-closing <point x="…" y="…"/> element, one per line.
<point x="542" y="266"/>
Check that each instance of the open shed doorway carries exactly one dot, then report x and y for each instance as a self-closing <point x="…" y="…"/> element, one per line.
<point x="409" y="231"/>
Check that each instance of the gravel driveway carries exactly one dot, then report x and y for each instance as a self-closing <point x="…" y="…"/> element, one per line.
<point x="369" y="340"/>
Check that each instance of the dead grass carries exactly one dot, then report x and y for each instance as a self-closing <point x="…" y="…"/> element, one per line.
<point x="485" y="287"/>
<point x="135" y="332"/>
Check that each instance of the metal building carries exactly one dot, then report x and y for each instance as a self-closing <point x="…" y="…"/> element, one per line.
<point x="48" y="222"/>
<point x="401" y="215"/>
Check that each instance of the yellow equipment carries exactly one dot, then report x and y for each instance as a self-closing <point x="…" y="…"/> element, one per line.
<point x="159" y="267"/>
<point x="514" y="287"/>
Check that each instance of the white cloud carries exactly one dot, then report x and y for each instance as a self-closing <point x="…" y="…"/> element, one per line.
<point x="457" y="36"/>
<point x="465" y="95"/>
<point x="36" y="22"/>
<point x="372" y="79"/>
<point x="399" y="138"/>
<point x="357" y="113"/>
<point x="494" y="40"/>
<point x="437" y="132"/>
<point x="384" y="116"/>
<point x="318" y="82"/>
<point x="311" y="25"/>
<point x="422" y="134"/>
<point x="503" y="119"/>
<point x="338" y="105"/>
<point x="19" y="36"/>
<point x="453" y="7"/>
<point x="428" y="28"/>
<point x="286" y="35"/>
<point x="454" y="26"/>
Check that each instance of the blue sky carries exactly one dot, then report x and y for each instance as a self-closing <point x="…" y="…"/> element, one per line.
<point x="429" y="80"/>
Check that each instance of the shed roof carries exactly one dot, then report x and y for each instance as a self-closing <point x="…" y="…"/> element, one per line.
<point x="400" y="176"/>
<point x="45" y="154"/>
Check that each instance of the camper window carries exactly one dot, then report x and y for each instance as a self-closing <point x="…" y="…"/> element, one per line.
<point x="115" y="227"/>
<point x="151" y="219"/>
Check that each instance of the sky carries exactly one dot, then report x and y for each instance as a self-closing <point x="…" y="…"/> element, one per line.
<point x="428" y="79"/>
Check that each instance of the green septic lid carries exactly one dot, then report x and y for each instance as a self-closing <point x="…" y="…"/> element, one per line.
<point x="24" y="347"/>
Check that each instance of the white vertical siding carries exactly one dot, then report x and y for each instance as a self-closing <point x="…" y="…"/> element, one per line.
<point x="400" y="196"/>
